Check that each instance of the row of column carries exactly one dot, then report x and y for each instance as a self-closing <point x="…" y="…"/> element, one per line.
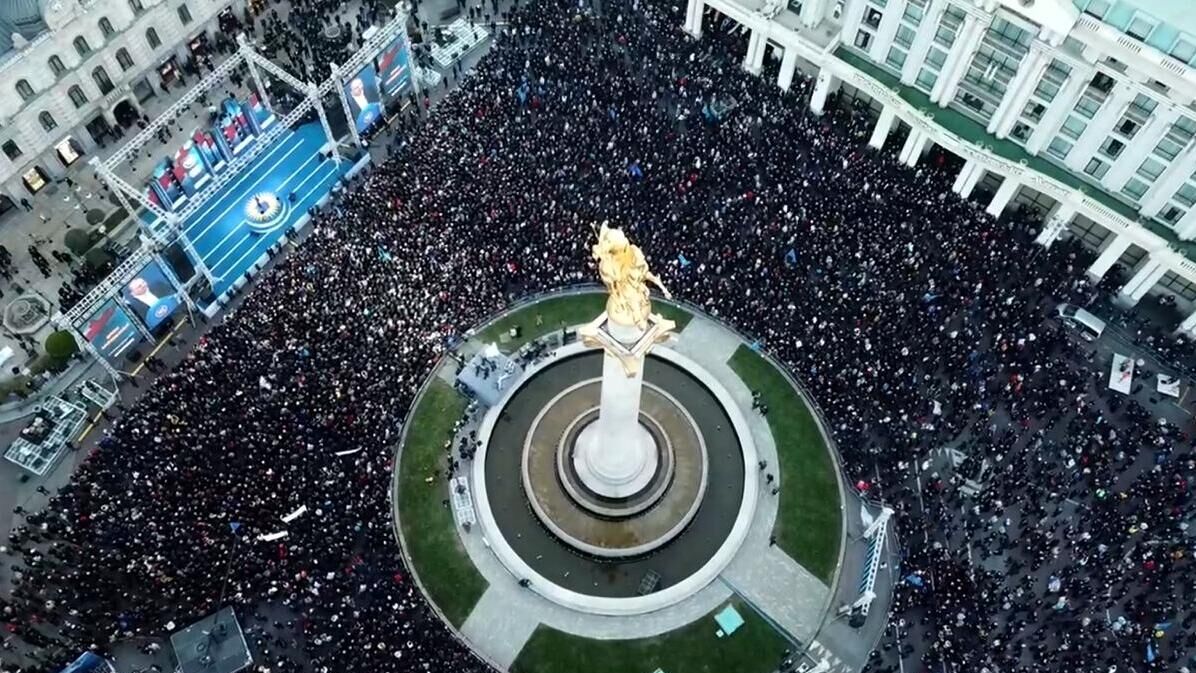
<point x="1021" y="87"/>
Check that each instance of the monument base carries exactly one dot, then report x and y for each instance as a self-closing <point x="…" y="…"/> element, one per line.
<point x="613" y="471"/>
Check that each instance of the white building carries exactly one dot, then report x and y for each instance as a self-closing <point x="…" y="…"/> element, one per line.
<point x="71" y="70"/>
<point x="1081" y="107"/>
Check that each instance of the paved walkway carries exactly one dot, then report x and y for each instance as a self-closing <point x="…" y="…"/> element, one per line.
<point x="788" y="595"/>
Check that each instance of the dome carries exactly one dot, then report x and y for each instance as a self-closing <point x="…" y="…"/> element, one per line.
<point x="23" y="17"/>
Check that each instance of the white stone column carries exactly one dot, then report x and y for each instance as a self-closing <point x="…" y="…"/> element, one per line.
<point x="1188" y="326"/>
<point x="1173" y="177"/>
<point x="1004" y="195"/>
<point x="889" y="21"/>
<point x="1099" y="126"/>
<point x="853" y="14"/>
<point x="880" y="133"/>
<point x="1056" y="223"/>
<point x="1140" y="147"/>
<point x="693" y="18"/>
<point x="1147" y="275"/>
<point x="923" y="39"/>
<point x="969" y="176"/>
<point x="753" y="62"/>
<point x="616" y="456"/>
<point x="915" y="144"/>
<point x="822" y="87"/>
<point x="813" y="12"/>
<point x="967" y="41"/>
<point x="1057" y="111"/>
<point x="788" y="68"/>
<point x="1109" y="256"/>
<point x="1025" y="80"/>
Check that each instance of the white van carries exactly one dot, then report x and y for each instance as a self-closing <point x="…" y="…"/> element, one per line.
<point x="1087" y="325"/>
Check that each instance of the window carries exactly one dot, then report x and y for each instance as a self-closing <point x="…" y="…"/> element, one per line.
<point x="896" y="58"/>
<point x="123" y="58"/>
<point x="872" y="18"/>
<point x="795" y="6"/>
<point x="1186" y="195"/>
<point x="184" y="14"/>
<point x="151" y="36"/>
<point x="136" y="6"/>
<point x="863" y="39"/>
<point x="1171" y="215"/>
<point x="11" y="150"/>
<point x="77" y="96"/>
<point x="106" y="27"/>
<point x="1034" y="111"/>
<point x="1102" y="82"/>
<point x="100" y="76"/>
<point x="1112" y="148"/>
<point x="1073" y="128"/>
<point x="81" y="46"/>
<point x="1096" y="168"/>
<point x="56" y="66"/>
<point x="1097" y="8"/>
<point x="1141" y="27"/>
<point x="1134" y="189"/>
<point x="1151" y="169"/>
<point x="1059" y="148"/>
<point x="1184" y="49"/>
<point x="25" y="91"/>
<point x="47" y="121"/>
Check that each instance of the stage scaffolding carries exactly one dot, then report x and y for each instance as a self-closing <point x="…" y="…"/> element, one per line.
<point x="166" y="227"/>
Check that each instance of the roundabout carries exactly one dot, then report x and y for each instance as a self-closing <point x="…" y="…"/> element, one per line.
<point x="613" y="496"/>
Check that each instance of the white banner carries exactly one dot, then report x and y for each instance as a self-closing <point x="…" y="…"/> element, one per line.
<point x="1168" y="385"/>
<point x="295" y="515"/>
<point x="272" y="536"/>
<point x="1122" y="375"/>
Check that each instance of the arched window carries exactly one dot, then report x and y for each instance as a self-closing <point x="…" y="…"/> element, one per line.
<point x="77" y="96"/>
<point x="106" y="27"/>
<point x="151" y="36"/>
<point x="47" y="121"/>
<point x="81" y="46"/>
<point x="184" y="14"/>
<point x="123" y="58"/>
<point x="136" y="6"/>
<point x="24" y="90"/>
<point x="100" y="76"/>
<point x="56" y="66"/>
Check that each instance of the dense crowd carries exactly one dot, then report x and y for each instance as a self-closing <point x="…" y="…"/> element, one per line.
<point x="916" y="321"/>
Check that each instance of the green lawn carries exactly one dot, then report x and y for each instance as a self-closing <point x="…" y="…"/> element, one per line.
<point x="443" y="566"/>
<point x="808" y="521"/>
<point x="755" y="648"/>
<point x="567" y="310"/>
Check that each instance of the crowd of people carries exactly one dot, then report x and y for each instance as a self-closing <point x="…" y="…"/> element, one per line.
<point x="914" y="319"/>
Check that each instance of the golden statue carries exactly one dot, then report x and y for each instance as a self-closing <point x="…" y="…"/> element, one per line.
<point x="625" y="273"/>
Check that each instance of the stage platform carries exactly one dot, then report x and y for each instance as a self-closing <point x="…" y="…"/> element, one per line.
<point x="222" y="230"/>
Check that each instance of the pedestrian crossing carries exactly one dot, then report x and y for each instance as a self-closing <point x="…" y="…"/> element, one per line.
<point x="826" y="660"/>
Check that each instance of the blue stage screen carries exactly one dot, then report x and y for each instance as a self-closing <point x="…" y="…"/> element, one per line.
<point x="111" y="332"/>
<point x="151" y="296"/>
<point x="365" y="102"/>
<point x="394" y="68"/>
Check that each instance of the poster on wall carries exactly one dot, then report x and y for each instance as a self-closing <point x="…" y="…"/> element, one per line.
<point x="394" y="68"/>
<point x="111" y="332"/>
<point x="365" y="102"/>
<point x="151" y="296"/>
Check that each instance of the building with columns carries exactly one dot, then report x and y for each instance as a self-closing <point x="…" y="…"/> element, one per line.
<point x="72" y="70"/>
<point x="1081" y="109"/>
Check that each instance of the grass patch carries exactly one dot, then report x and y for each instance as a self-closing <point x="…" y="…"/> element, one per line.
<point x="808" y="519"/>
<point x="442" y="563"/>
<point x="755" y="648"/>
<point x="538" y="319"/>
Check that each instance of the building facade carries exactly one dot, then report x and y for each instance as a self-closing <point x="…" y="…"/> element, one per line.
<point x="1082" y="108"/>
<point x="71" y="71"/>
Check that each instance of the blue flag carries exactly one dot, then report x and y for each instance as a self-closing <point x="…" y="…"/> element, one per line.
<point x="755" y="345"/>
<point x="682" y="260"/>
<point x="1150" y="653"/>
<point x="791" y="257"/>
<point x="234" y="525"/>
